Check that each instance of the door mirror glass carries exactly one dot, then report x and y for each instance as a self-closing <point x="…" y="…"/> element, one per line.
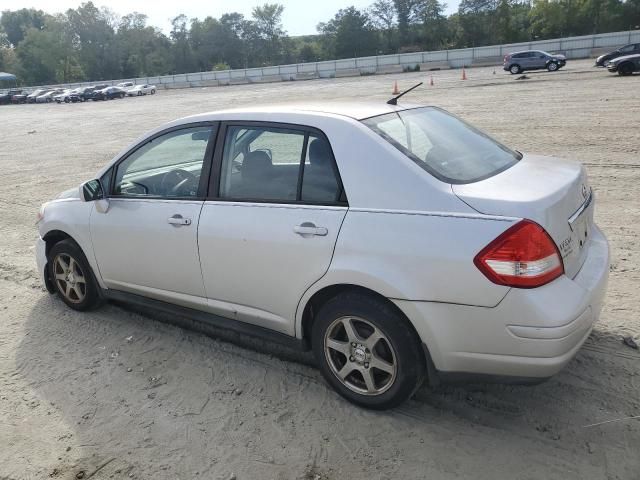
<point x="92" y="191"/>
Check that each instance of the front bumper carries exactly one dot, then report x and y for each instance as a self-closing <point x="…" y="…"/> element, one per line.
<point x="532" y="333"/>
<point x="612" y="68"/>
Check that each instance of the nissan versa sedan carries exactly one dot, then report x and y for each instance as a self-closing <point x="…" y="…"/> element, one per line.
<point x="399" y="243"/>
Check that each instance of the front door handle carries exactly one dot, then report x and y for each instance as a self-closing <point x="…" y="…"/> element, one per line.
<point x="178" y="220"/>
<point x="308" y="228"/>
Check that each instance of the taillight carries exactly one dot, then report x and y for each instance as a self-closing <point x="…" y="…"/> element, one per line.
<point x="524" y="256"/>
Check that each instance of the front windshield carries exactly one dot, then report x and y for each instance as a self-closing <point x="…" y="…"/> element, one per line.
<point x="448" y="148"/>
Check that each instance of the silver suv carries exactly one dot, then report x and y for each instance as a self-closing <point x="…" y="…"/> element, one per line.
<point x="533" y="60"/>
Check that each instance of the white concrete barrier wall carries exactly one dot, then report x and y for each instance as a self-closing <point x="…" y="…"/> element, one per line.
<point x="573" y="47"/>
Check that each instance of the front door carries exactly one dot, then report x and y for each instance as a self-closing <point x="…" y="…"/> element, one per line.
<point x="146" y="242"/>
<point x="270" y="230"/>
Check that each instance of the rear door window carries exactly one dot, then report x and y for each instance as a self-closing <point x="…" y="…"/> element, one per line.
<point x="272" y="164"/>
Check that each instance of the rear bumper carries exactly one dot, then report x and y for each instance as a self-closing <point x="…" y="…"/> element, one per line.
<point x="531" y="334"/>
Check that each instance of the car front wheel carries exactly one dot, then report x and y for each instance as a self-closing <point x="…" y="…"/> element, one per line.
<point x="367" y="351"/>
<point x="515" y="69"/>
<point x="552" y="66"/>
<point x="625" y="69"/>
<point x="72" y="276"/>
<point x="153" y="92"/>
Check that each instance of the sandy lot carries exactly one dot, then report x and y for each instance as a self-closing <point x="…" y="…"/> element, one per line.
<point x="116" y="394"/>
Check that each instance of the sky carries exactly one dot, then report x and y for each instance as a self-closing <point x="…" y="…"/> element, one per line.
<point x="300" y="16"/>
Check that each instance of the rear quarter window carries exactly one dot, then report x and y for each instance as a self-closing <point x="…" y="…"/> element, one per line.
<point x="445" y="146"/>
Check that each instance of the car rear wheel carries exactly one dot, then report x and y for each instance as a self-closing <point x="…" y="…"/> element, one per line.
<point x="367" y="351"/>
<point x="72" y="276"/>
<point x="515" y="69"/>
<point x="552" y="66"/>
<point x="625" y="69"/>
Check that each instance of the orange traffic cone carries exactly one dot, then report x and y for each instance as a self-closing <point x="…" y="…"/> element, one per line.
<point x="431" y="80"/>
<point x="395" y="89"/>
<point x="464" y="74"/>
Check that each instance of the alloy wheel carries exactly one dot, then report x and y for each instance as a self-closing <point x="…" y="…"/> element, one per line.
<point x="69" y="278"/>
<point x="360" y="355"/>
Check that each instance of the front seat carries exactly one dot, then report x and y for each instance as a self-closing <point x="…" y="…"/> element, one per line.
<point x="256" y="175"/>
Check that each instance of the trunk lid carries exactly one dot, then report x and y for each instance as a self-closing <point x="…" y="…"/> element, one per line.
<point x="552" y="192"/>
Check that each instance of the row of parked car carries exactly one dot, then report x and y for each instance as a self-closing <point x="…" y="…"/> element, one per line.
<point x="82" y="94"/>
<point x="624" y="60"/>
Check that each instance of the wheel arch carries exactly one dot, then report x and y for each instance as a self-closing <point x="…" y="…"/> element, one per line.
<point x="324" y="294"/>
<point x="627" y="63"/>
<point x="54" y="236"/>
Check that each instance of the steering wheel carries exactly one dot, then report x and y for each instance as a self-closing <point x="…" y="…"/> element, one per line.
<point x="177" y="181"/>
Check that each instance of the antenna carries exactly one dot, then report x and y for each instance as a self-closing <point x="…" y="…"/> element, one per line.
<point x="394" y="100"/>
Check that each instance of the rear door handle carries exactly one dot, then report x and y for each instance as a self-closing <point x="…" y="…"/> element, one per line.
<point x="308" y="228"/>
<point x="178" y="220"/>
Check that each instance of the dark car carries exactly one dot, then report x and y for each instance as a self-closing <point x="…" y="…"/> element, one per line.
<point x="108" y="93"/>
<point x="625" y="65"/>
<point x="20" y="98"/>
<point x="81" y="94"/>
<point x="631" y="49"/>
<point x="6" y="98"/>
<point x="518" y="62"/>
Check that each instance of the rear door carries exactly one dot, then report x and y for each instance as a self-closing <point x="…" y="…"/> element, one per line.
<point x="268" y="230"/>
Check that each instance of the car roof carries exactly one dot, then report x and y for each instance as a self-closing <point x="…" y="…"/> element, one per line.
<point x="355" y="110"/>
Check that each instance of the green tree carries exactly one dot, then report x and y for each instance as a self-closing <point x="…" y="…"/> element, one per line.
<point x="383" y="17"/>
<point x="349" y="34"/>
<point x="268" y="34"/>
<point x="430" y="14"/>
<point x="47" y="55"/>
<point x="16" y="23"/>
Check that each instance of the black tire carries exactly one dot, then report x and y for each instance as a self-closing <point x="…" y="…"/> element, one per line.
<point x="552" y="66"/>
<point x="625" y="69"/>
<point x="515" y="69"/>
<point x="139" y="93"/>
<point x="67" y="100"/>
<point x="402" y="348"/>
<point x="153" y="92"/>
<point x="69" y="249"/>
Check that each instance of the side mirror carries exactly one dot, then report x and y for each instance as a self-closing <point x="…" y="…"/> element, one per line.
<point x="93" y="191"/>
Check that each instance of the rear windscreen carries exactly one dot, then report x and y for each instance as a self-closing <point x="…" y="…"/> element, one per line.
<point x="442" y="144"/>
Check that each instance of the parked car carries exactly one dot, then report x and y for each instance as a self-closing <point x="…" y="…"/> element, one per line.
<point x="141" y="90"/>
<point x="533" y="60"/>
<point x="65" y="96"/>
<point x="631" y="49"/>
<point x="82" y="94"/>
<point x="48" y="96"/>
<point x="6" y="98"/>
<point x="396" y="242"/>
<point x="31" y="98"/>
<point x="108" y="93"/>
<point x="624" y="65"/>
<point x="19" y="98"/>
<point x="125" y="85"/>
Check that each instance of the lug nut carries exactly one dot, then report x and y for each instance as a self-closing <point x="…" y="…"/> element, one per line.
<point x="351" y="359"/>
<point x="353" y="344"/>
<point x="366" y="365"/>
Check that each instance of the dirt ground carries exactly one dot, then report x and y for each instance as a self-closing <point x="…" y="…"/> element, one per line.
<point x="116" y="394"/>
